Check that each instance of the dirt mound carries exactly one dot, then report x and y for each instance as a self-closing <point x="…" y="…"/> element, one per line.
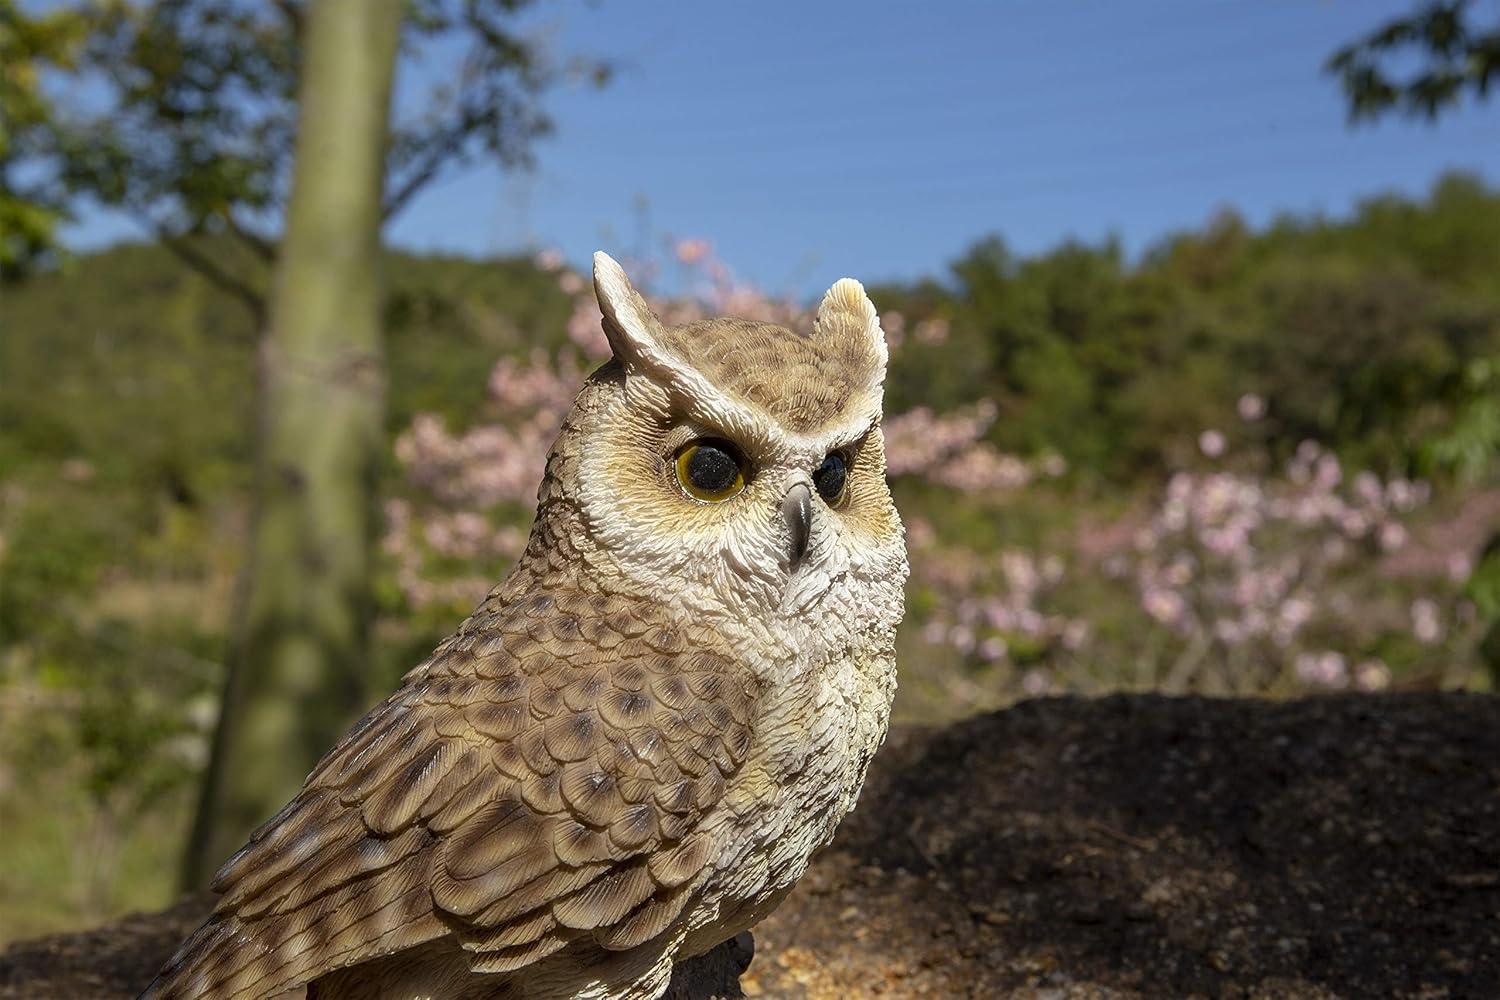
<point x="1131" y="846"/>
<point x="1341" y="846"/>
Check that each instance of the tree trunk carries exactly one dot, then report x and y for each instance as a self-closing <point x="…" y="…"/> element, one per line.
<point x="297" y="669"/>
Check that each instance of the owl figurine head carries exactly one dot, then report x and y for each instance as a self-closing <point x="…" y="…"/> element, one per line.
<point x="736" y="470"/>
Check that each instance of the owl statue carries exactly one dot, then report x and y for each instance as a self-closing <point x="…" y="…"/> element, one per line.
<point x="629" y="752"/>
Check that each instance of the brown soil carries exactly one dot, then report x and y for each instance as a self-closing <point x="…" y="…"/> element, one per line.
<point x="1126" y="847"/>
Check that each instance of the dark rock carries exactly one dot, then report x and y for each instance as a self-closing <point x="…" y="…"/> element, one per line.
<point x="116" y="960"/>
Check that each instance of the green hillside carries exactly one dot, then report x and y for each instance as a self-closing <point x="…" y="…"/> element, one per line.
<point x="127" y="390"/>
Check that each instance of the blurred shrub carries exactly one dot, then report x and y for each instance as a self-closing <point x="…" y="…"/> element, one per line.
<point x="1357" y="333"/>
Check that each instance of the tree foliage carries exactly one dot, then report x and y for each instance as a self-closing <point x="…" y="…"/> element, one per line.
<point x="1359" y="334"/>
<point x="31" y="46"/>
<point x="1454" y="51"/>
<point x="187" y="108"/>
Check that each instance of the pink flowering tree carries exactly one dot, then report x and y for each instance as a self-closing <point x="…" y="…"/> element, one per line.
<point x="1234" y="577"/>
<point x="1272" y="581"/>
<point x="471" y="491"/>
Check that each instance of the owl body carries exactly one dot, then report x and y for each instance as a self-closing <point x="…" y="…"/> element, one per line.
<point x="632" y="748"/>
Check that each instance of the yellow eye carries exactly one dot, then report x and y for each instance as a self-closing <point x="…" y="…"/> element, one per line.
<point x="710" y="470"/>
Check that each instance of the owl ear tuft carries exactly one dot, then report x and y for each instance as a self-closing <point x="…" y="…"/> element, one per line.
<point x="847" y="318"/>
<point x="633" y="331"/>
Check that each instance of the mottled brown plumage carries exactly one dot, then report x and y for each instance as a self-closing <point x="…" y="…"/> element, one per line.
<point x="630" y="749"/>
<point x="753" y="362"/>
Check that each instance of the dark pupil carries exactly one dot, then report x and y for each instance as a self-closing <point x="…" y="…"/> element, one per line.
<point x="712" y="469"/>
<point x="829" y="479"/>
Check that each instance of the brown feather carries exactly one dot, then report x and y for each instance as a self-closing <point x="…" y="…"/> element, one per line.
<point x="510" y="959"/>
<point x="607" y="899"/>
<point x="397" y="801"/>
<point x="498" y="833"/>
<point x="652" y="918"/>
<point x="513" y="933"/>
<point x="535" y="894"/>
<point x="677" y="865"/>
<point x="512" y="800"/>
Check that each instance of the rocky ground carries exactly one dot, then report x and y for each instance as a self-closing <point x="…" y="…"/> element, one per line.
<point x="1127" y="847"/>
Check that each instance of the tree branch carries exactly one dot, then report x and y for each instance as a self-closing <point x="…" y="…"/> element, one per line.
<point x="292" y="12"/>
<point x="431" y="163"/>
<point x="206" y="266"/>
<point x="262" y="247"/>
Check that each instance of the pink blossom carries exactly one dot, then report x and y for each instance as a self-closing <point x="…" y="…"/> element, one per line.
<point x="932" y="331"/>
<point x="893" y="324"/>
<point x="1166" y="606"/>
<point x="1053" y="465"/>
<point x="1052" y="570"/>
<point x="1035" y="683"/>
<point x="1020" y="571"/>
<point x="1372" y="675"/>
<point x="538" y="383"/>
<point x="1392" y="536"/>
<point x="693" y="251"/>
<point x="1353" y="524"/>
<point x="1368" y="489"/>
<point x="1327" y="471"/>
<point x="1407" y="495"/>
<point x="586" y="328"/>
<point x="961" y="637"/>
<point x="1180" y="572"/>
<point x="1211" y="443"/>
<point x="920" y="439"/>
<point x="1326" y="669"/>
<point x="1251" y="407"/>
<point x="981" y="468"/>
<point x="1294" y="613"/>
<point x="1459" y="565"/>
<point x="1230" y="631"/>
<point x="1237" y="559"/>
<point x="992" y="649"/>
<point x="1425" y="622"/>
<point x="1299" y="469"/>
<point x="1075" y="634"/>
<point x="919" y="532"/>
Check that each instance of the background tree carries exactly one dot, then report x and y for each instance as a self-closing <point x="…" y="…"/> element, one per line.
<point x="200" y="142"/>
<point x="184" y="117"/>
<point x="192" y="107"/>
<point x="297" y="674"/>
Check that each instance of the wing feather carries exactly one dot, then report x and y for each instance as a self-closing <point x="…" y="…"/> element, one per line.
<point x="518" y="801"/>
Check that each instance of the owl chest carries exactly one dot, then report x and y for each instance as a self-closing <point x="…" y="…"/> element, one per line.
<point x="813" y="745"/>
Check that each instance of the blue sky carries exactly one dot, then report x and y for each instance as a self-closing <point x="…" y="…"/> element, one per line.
<point x="875" y="138"/>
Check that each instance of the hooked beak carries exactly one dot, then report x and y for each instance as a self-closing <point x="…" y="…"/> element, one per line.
<point x="796" y="509"/>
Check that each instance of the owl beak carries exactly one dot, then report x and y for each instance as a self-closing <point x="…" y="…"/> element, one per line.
<point x="796" y="509"/>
